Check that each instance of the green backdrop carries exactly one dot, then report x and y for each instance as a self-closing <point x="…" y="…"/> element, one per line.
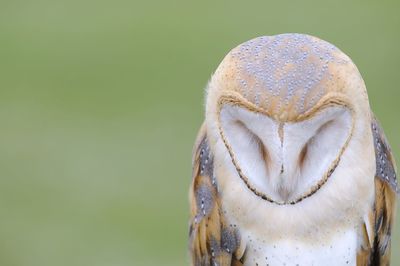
<point x="100" y="102"/>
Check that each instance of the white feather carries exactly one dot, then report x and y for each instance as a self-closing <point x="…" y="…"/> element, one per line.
<point x="332" y="216"/>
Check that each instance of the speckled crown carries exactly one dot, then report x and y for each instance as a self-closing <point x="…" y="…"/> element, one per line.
<point x="286" y="75"/>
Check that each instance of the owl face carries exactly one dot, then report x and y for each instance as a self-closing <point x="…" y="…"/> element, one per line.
<point x="284" y="162"/>
<point x="285" y="109"/>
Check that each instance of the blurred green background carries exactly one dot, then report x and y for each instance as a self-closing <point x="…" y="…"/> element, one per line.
<point x="100" y="102"/>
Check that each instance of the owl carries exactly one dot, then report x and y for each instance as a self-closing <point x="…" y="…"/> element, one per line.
<point x="290" y="166"/>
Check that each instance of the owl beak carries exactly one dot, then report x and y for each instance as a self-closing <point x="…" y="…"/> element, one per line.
<point x="283" y="162"/>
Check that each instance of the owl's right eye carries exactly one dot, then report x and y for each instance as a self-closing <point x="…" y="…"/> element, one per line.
<point x="251" y="140"/>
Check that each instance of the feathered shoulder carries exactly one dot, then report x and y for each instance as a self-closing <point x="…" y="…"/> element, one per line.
<point x="212" y="241"/>
<point x="378" y="227"/>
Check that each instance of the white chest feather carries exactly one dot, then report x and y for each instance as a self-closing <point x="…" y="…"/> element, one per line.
<point x="323" y="229"/>
<point x="341" y="249"/>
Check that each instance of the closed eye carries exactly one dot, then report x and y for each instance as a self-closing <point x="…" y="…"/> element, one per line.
<point x="258" y="144"/>
<point x="304" y="150"/>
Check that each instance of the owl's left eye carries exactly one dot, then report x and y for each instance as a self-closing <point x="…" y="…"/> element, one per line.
<point x="250" y="149"/>
<point x="249" y="138"/>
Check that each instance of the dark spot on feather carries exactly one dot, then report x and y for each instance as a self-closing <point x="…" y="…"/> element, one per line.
<point x="384" y="166"/>
<point x="206" y="159"/>
<point x="204" y="199"/>
<point x="229" y="240"/>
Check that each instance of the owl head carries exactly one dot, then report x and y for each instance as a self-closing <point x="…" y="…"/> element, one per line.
<point x="284" y="111"/>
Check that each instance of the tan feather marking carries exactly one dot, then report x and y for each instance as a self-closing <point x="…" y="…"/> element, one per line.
<point x="384" y="214"/>
<point x="212" y="241"/>
<point x="378" y="252"/>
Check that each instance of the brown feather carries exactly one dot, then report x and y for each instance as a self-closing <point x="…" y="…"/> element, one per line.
<point x="382" y="213"/>
<point x="212" y="240"/>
